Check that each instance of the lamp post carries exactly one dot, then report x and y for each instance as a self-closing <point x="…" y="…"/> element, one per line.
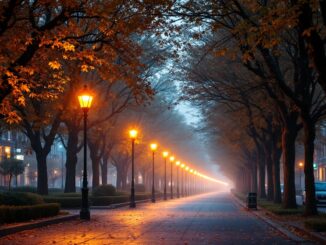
<point x="62" y="169"/>
<point x="301" y="169"/>
<point x="165" y="155"/>
<point x="178" y="165"/>
<point x="85" y="102"/>
<point x="191" y="171"/>
<point x="186" y="181"/>
<point x="195" y="182"/>
<point x="182" y="180"/>
<point x="171" y="177"/>
<point x="133" y="135"/>
<point x="153" y="148"/>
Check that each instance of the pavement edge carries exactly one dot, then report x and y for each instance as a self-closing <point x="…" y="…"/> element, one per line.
<point x="275" y="225"/>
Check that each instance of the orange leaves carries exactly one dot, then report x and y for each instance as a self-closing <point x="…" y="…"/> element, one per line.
<point x="55" y="65"/>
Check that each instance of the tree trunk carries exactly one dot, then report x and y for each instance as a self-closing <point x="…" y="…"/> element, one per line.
<point x="262" y="172"/>
<point x="71" y="159"/>
<point x="309" y="138"/>
<point x="119" y="181"/>
<point x="104" y="170"/>
<point x="96" y="173"/>
<point x="276" y="155"/>
<point x="289" y="134"/>
<point x="9" y="183"/>
<point x="93" y="150"/>
<point x="42" y="173"/>
<point x="270" y="179"/>
<point x="254" y="183"/>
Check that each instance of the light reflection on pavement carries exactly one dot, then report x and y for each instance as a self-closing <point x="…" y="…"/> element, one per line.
<point x="205" y="219"/>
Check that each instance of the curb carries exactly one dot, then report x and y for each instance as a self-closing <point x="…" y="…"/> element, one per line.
<point x="119" y="205"/>
<point x="279" y="227"/>
<point x="276" y="226"/>
<point x="36" y="224"/>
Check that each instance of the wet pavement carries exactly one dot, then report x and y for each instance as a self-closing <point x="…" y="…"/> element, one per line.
<point x="205" y="219"/>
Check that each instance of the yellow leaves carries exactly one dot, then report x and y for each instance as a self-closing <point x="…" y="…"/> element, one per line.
<point x="12" y="118"/>
<point x="55" y="65"/>
<point x="68" y="46"/>
<point x="24" y="88"/>
<point x="86" y="68"/>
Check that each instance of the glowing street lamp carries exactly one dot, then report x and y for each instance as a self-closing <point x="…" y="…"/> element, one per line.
<point x="171" y="176"/>
<point x="178" y="165"/>
<point x="85" y="102"/>
<point x="132" y="135"/>
<point x="165" y="155"/>
<point x="153" y="147"/>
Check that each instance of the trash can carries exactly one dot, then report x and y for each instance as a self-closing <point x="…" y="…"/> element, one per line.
<point x="252" y="200"/>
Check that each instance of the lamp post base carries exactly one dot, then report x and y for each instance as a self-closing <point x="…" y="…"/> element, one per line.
<point x="85" y="214"/>
<point x="132" y="197"/>
<point x="153" y="200"/>
<point x="132" y="205"/>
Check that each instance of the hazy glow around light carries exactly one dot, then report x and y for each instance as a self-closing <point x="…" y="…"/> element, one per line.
<point x="172" y="158"/>
<point x="165" y="154"/>
<point x="153" y="146"/>
<point x="133" y="133"/>
<point x="85" y="101"/>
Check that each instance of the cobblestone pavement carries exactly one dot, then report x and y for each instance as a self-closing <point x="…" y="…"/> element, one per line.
<point x="205" y="219"/>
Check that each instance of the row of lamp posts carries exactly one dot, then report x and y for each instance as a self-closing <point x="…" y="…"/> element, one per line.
<point x="85" y="102"/>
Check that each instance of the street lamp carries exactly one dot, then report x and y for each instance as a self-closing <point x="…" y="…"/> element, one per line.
<point x="85" y="102"/>
<point x="178" y="164"/>
<point x="191" y="182"/>
<point x="186" y="181"/>
<point x="153" y="148"/>
<point x="195" y="181"/>
<point x="171" y="186"/>
<point x="133" y="135"/>
<point x="165" y="155"/>
<point x="182" y="179"/>
<point x="301" y="169"/>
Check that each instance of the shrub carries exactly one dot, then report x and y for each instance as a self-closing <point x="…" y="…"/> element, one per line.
<point x="140" y="188"/>
<point x="32" y="189"/>
<point x="143" y="196"/>
<point x="65" y="202"/>
<point x="69" y="194"/>
<point x="316" y="224"/>
<point x="104" y="190"/>
<point x="20" y="198"/>
<point x="108" y="200"/>
<point x="55" y="190"/>
<point x="10" y="214"/>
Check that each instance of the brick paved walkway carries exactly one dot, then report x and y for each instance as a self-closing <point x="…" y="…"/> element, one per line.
<point x="206" y="219"/>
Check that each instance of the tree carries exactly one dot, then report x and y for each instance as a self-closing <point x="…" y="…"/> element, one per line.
<point x="274" y="45"/>
<point x="11" y="167"/>
<point x="54" y="31"/>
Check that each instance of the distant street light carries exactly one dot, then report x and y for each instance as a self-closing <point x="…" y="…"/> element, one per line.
<point x="85" y="102"/>
<point x="171" y="181"/>
<point x="178" y="165"/>
<point x="165" y="155"/>
<point x="153" y="148"/>
<point x="133" y="135"/>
